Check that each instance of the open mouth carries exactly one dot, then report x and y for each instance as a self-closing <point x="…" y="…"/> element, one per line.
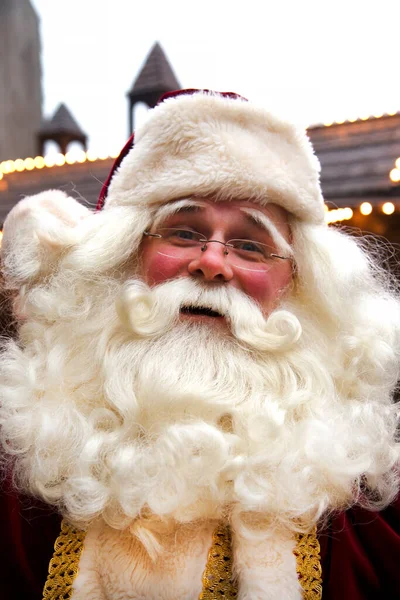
<point x="200" y="310"/>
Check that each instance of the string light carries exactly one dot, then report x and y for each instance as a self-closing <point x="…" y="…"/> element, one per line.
<point x="81" y="156"/>
<point x="19" y="164"/>
<point x="338" y="214"/>
<point x="366" y="208"/>
<point x="51" y="160"/>
<point x="363" y="117"/>
<point x="395" y="175"/>
<point x="91" y="156"/>
<point x="29" y="164"/>
<point x="70" y="158"/>
<point x="388" y="208"/>
<point x="1" y="237"/>
<point x="39" y="162"/>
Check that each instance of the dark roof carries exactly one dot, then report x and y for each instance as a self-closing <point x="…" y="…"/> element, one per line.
<point x="61" y="122"/>
<point x="356" y="158"/>
<point x="155" y="75"/>
<point x="81" y="181"/>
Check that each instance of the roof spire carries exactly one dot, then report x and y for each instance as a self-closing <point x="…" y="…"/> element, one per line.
<point x="155" y="78"/>
<point x="63" y="129"/>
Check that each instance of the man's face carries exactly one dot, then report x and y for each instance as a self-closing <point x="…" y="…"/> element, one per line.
<point x="247" y="267"/>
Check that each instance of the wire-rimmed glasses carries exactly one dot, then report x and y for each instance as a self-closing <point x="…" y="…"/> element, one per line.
<point x="180" y="242"/>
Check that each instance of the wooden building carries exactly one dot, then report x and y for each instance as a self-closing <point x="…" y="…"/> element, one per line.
<point x="359" y="172"/>
<point x="360" y="178"/>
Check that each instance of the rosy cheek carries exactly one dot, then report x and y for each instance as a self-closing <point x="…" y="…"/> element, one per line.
<point x="266" y="288"/>
<point x="257" y="285"/>
<point x="159" y="268"/>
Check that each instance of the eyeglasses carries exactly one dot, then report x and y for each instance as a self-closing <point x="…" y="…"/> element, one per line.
<point x="179" y="243"/>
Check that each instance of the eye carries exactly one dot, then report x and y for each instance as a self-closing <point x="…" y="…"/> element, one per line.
<point x="182" y="237"/>
<point x="185" y="234"/>
<point x="250" y="247"/>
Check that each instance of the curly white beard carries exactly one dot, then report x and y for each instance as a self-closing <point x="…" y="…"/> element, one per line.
<point x="116" y="407"/>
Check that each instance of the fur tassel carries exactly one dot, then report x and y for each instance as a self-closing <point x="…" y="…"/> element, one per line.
<point x="36" y="231"/>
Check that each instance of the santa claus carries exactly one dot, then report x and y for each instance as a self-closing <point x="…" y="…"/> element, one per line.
<point x="203" y="379"/>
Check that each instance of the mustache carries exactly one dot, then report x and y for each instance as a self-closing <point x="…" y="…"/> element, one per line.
<point x="151" y="312"/>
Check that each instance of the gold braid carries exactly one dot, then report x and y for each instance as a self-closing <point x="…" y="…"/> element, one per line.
<point x="217" y="576"/>
<point x="63" y="566"/>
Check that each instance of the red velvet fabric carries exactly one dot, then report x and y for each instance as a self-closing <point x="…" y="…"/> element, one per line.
<point x="28" y="530"/>
<point x="360" y="555"/>
<point x="104" y="190"/>
<point x="360" y="552"/>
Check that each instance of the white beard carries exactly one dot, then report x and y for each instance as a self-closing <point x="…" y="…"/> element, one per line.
<point x="161" y="417"/>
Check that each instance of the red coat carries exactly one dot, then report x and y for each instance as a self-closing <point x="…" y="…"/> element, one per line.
<point x="360" y="551"/>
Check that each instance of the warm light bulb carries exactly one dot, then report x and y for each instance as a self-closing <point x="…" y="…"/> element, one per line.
<point x="395" y="175"/>
<point x="338" y="214"/>
<point x="70" y="158"/>
<point x="29" y="164"/>
<point x="19" y="165"/>
<point x="81" y="156"/>
<point x="397" y="163"/>
<point x="39" y="162"/>
<point x="9" y="166"/>
<point x="91" y="156"/>
<point x="50" y="160"/>
<point x="60" y="160"/>
<point x="388" y="208"/>
<point x="366" y="208"/>
<point x="1" y="237"/>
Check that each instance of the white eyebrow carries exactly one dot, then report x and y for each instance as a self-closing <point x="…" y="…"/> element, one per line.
<point x="167" y="210"/>
<point x="261" y="219"/>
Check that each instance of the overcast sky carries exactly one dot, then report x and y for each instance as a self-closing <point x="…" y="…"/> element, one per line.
<point x="313" y="60"/>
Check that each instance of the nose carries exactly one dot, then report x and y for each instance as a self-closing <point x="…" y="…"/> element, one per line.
<point x="212" y="264"/>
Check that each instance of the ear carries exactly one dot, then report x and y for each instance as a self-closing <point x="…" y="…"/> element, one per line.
<point x="36" y="232"/>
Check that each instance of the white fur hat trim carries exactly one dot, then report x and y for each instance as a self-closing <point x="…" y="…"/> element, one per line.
<point x="208" y="145"/>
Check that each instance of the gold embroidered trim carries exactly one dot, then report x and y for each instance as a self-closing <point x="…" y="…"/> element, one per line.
<point x="217" y="576"/>
<point x="308" y="561"/>
<point x="63" y="566"/>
